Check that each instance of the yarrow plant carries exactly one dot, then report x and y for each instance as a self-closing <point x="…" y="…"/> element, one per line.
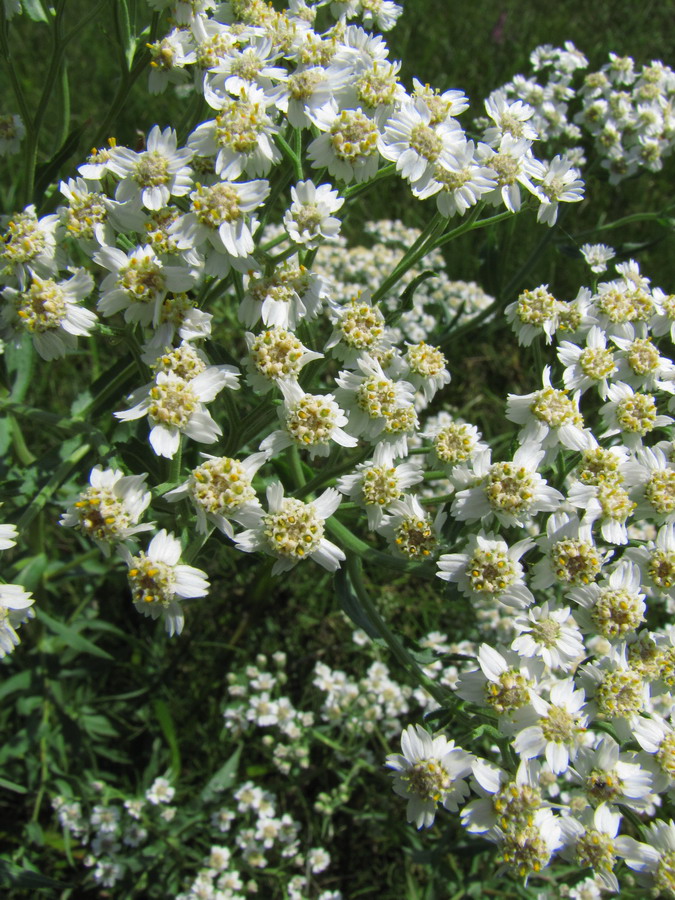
<point x="202" y="286"/>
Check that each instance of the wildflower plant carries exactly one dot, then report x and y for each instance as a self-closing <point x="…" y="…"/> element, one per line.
<point x="204" y="278"/>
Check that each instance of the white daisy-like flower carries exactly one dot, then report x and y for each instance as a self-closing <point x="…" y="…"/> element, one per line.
<point x="632" y="414"/>
<point x="359" y="330"/>
<point x="510" y="491"/>
<point x="309" y="220"/>
<point x="51" y="312"/>
<point x="310" y="421"/>
<point x="549" y="417"/>
<point x="348" y="145"/>
<point x="651" y="474"/>
<point x="441" y="104"/>
<point x="160" y="791"/>
<point x="555" y="729"/>
<point x="220" y="489"/>
<point x="155" y="174"/>
<point x="28" y="245"/>
<point x="453" y="445"/>
<point x="379" y="408"/>
<point x="244" y="65"/>
<point x="536" y="312"/>
<point x="512" y="117"/>
<point x="617" y="690"/>
<point x="220" y="225"/>
<point x="591" y="841"/>
<point x="374" y="485"/>
<point x="159" y="582"/>
<point x="505" y="801"/>
<point x="515" y="166"/>
<point x="175" y="406"/>
<point x="502" y="682"/>
<point x="293" y="530"/>
<point x="558" y="183"/>
<point x="308" y="89"/>
<point x="654" y="861"/>
<point x="570" y="558"/>
<point x="597" y="256"/>
<point x="410" y="530"/>
<point x="138" y="283"/>
<point x="430" y="770"/>
<point x="425" y="368"/>
<point x="15" y="609"/>
<point x="415" y="144"/>
<point x="615" y="608"/>
<point x="641" y="365"/>
<point x="657" y="562"/>
<point x="550" y="632"/>
<point x="589" y="366"/>
<point x="605" y="776"/>
<point x="109" y="509"/>
<point x="273" y="355"/>
<point x="241" y="137"/>
<point x="489" y="568"/>
<point x="607" y="503"/>
<point x="288" y="296"/>
<point x="169" y="57"/>
<point x="458" y="181"/>
<point x="92" y="219"/>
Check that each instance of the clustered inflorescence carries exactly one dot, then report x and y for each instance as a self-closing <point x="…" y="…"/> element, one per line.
<point x="565" y="547"/>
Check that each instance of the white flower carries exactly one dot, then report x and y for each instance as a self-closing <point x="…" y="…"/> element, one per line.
<point x="376" y="484"/>
<point x="310" y="220"/>
<point x="511" y="117"/>
<point x="641" y="365"/>
<point x="592" y="842"/>
<point x="458" y="181"/>
<point x="597" y="256"/>
<point x="550" y="633"/>
<point x="535" y="312"/>
<point x="589" y="366"/>
<point x="502" y="682"/>
<point x="657" y="561"/>
<point x="410" y="530"/>
<point x="632" y="414"/>
<point x="220" y="489"/>
<point x="109" y="510"/>
<point x="653" y="860"/>
<point x="311" y="421"/>
<point x="289" y="295"/>
<point x="51" y="312"/>
<point x="604" y="776"/>
<point x="415" y="144"/>
<point x="241" y="137"/>
<point x="430" y="770"/>
<point x="348" y="146"/>
<point x="555" y="729"/>
<point x="488" y="567"/>
<point x="159" y="582"/>
<point x="160" y="791"/>
<point x="175" y="406"/>
<point x="570" y="557"/>
<point x="155" y="174"/>
<point x="379" y="408"/>
<point x="558" y="183"/>
<point x="138" y="283"/>
<point x="273" y="355"/>
<point x="511" y="491"/>
<point x="549" y="417"/>
<point x="514" y="165"/>
<point x="293" y="530"/>
<point x="15" y="609"/>
<point x="28" y="244"/>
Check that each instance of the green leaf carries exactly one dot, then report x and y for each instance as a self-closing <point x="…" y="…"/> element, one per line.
<point x="224" y="777"/>
<point x="168" y="730"/>
<point x="351" y="606"/>
<point x="71" y="637"/>
<point x="20" y="358"/>
<point x="405" y="304"/>
<point x="11" y="786"/>
<point x="19" y="682"/>
<point x="27" y="879"/>
<point x="35" y="11"/>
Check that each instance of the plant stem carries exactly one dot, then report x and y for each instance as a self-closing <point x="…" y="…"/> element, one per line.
<point x="439" y="694"/>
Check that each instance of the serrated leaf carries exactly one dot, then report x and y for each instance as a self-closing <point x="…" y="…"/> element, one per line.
<point x="71" y="637"/>
<point x="224" y="777"/>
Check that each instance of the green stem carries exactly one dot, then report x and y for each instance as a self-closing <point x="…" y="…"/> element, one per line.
<point x="618" y="223"/>
<point x="364" y="551"/>
<point x="412" y="256"/>
<point x="471" y="224"/>
<point x="296" y="466"/>
<point x="176" y="462"/>
<point x="439" y="694"/>
<point x="358" y="189"/>
<point x="290" y="155"/>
